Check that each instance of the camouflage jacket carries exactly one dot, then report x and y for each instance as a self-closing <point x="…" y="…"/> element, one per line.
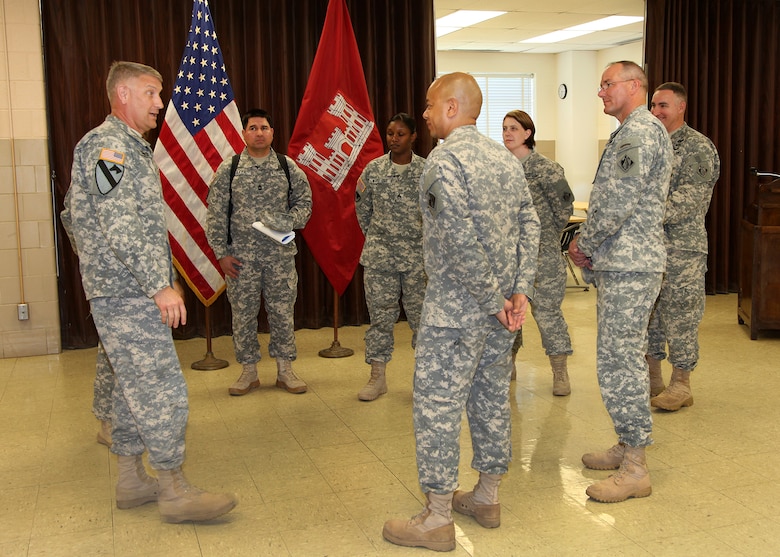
<point x="387" y="205"/>
<point x="480" y="230"/>
<point x="260" y="192"/>
<point x="552" y="197"/>
<point x="624" y="228"/>
<point x="114" y="214"/>
<point x="696" y="169"/>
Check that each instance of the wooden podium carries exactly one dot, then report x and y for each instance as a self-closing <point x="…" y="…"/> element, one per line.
<point x="759" y="275"/>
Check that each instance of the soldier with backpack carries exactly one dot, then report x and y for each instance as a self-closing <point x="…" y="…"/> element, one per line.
<point x="259" y="186"/>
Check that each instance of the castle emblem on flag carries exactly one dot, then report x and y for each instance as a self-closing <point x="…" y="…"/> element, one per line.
<point x="335" y="144"/>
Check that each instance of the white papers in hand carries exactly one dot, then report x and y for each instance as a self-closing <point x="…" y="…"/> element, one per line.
<point x="281" y="237"/>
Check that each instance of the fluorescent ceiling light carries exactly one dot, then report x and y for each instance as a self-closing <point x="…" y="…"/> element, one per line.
<point x="441" y="31"/>
<point x="462" y="18"/>
<point x="606" y="23"/>
<point x="556" y="36"/>
<point x="583" y="29"/>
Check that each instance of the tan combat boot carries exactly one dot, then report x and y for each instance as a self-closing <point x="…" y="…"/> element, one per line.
<point x="677" y="394"/>
<point x="561" y="385"/>
<point x="605" y="460"/>
<point x="631" y="480"/>
<point x="377" y="384"/>
<point x="104" y="433"/>
<point x="248" y="381"/>
<point x="481" y="502"/>
<point x="134" y="486"/>
<point x="286" y="378"/>
<point x="179" y="501"/>
<point x="433" y="528"/>
<point x="656" y="378"/>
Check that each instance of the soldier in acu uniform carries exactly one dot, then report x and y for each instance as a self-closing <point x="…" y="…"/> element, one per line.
<point x="553" y="201"/>
<point x="256" y="266"/>
<point x="680" y="306"/>
<point x="621" y="250"/>
<point x="480" y="245"/>
<point x="114" y="216"/>
<point x="387" y="203"/>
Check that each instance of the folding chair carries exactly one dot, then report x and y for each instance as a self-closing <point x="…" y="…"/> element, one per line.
<point x="567" y="235"/>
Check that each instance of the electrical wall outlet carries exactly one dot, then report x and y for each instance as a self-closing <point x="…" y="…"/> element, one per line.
<point x="24" y="312"/>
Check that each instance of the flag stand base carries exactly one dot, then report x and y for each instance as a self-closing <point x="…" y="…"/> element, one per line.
<point x="336" y="351"/>
<point x="209" y="363"/>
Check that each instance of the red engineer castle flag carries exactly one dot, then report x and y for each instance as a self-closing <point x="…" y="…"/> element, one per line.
<point x="334" y="138"/>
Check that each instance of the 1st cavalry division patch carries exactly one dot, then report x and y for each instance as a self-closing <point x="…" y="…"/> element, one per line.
<point x="109" y="170"/>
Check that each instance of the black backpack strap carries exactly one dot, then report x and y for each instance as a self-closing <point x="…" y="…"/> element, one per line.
<point x="233" y="167"/>
<point x="286" y="168"/>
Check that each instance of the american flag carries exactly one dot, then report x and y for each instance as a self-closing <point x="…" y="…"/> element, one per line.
<point x="202" y="127"/>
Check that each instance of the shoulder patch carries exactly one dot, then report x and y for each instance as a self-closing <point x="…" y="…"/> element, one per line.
<point x="628" y="157"/>
<point x="701" y="167"/>
<point x="109" y="155"/>
<point x="626" y="162"/>
<point x="432" y="187"/>
<point x="108" y="175"/>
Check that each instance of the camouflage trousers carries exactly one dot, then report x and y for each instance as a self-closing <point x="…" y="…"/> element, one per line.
<point x="384" y="290"/>
<point x="679" y="310"/>
<point x="274" y="281"/>
<point x="150" y="394"/>
<point x="103" y="387"/>
<point x="624" y="302"/>
<point x="457" y="369"/>
<point x="546" y="310"/>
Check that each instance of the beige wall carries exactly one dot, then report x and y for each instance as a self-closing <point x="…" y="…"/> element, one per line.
<point x="573" y="126"/>
<point x="27" y="255"/>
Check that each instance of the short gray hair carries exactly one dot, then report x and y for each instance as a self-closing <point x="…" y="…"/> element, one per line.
<point x="122" y="71"/>
<point x="632" y="70"/>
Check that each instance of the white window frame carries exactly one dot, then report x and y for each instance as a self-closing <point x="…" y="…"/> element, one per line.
<point x="502" y="92"/>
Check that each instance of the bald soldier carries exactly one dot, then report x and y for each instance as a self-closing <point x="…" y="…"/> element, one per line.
<point x="480" y="247"/>
<point x="621" y="250"/>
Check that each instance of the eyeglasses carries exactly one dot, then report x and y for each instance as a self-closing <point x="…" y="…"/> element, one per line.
<point x="609" y="84"/>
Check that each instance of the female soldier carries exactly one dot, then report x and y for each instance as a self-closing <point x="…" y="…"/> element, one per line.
<point x="553" y="200"/>
<point x="387" y="202"/>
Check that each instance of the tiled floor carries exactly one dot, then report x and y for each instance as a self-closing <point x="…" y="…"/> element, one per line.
<point x="319" y="473"/>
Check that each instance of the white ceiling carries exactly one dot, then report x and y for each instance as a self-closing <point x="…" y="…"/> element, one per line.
<point x="527" y="19"/>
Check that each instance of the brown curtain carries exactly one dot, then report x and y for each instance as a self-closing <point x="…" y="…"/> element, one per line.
<point x="727" y="54"/>
<point x="268" y="49"/>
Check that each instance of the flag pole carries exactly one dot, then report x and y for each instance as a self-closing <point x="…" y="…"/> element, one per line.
<point x="209" y="362"/>
<point x="336" y="350"/>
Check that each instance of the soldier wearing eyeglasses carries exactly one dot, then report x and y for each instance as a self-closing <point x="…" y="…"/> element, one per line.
<point x="621" y="250"/>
